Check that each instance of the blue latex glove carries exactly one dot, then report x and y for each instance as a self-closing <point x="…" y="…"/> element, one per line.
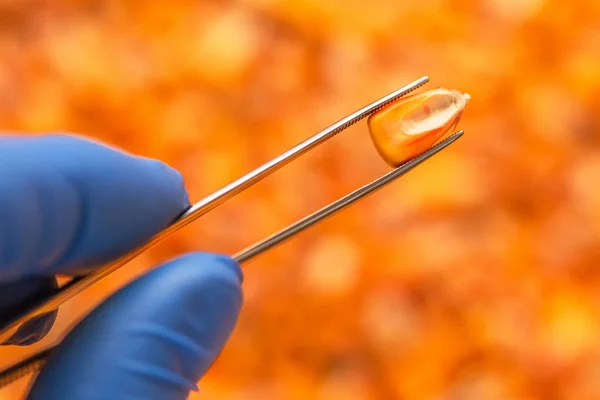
<point x="68" y="205"/>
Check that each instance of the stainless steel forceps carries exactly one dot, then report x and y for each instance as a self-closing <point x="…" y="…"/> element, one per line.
<point x="77" y="285"/>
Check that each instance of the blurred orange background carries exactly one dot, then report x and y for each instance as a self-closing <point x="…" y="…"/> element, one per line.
<point x="474" y="277"/>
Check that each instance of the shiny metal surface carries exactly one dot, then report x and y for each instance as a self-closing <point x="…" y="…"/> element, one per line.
<point x="35" y="362"/>
<point x="297" y="227"/>
<point x="202" y="207"/>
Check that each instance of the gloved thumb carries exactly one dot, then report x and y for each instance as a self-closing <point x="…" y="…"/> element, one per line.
<point x="154" y="339"/>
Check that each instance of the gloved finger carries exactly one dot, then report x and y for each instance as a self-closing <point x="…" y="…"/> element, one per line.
<point x="69" y="204"/>
<point x="152" y="340"/>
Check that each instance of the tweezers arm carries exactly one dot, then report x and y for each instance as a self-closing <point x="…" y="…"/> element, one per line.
<point x="241" y="184"/>
<point x="329" y="210"/>
<point x="202" y="207"/>
<point x="35" y="362"/>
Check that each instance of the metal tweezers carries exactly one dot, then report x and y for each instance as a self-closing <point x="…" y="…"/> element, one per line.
<point x="77" y="285"/>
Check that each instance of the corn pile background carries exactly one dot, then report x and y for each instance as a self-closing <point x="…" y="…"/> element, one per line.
<point x="477" y="276"/>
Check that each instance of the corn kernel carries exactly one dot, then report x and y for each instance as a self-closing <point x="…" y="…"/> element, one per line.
<point x="416" y="122"/>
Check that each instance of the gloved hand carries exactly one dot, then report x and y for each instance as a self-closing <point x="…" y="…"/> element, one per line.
<point x="68" y="205"/>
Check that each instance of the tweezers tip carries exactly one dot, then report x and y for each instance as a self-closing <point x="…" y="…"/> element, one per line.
<point x="452" y="138"/>
<point x="444" y="143"/>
